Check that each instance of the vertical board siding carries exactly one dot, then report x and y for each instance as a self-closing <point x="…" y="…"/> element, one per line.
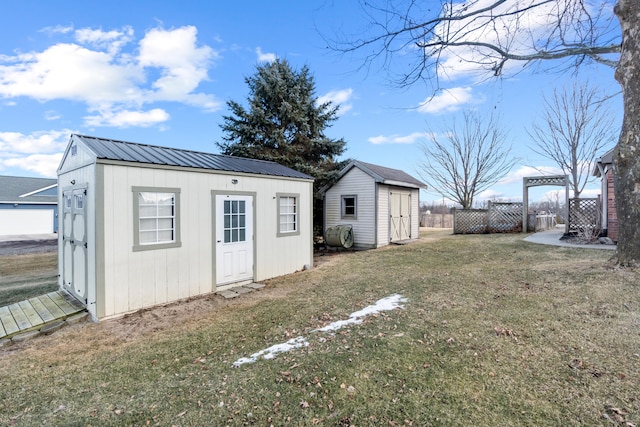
<point x="358" y="183"/>
<point x="415" y="214"/>
<point x="135" y="280"/>
<point x="384" y="213"/>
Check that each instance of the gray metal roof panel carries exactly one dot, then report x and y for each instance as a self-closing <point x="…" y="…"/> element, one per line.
<point x="110" y="149"/>
<point x="14" y="188"/>
<point x="384" y="174"/>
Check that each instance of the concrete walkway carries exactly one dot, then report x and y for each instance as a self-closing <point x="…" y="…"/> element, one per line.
<point x="553" y="236"/>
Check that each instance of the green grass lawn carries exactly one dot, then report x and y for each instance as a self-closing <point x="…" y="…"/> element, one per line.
<point x="495" y="332"/>
<point x="26" y="276"/>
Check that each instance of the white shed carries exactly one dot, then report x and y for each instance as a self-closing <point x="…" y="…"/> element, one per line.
<point x="381" y="204"/>
<point x="143" y="225"/>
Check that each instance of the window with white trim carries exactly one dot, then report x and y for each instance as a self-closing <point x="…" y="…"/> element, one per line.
<point x="156" y="216"/>
<point x="288" y="214"/>
<point x="349" y="207"/>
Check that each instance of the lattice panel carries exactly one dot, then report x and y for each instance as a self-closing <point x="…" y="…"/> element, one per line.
<point x="584" y="214"/>
<point x="545" y="180"/>
<point x="505" y="217"/>
<point x="470" y="221"/>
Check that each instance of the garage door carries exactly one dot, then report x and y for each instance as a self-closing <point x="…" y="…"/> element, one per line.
<point x="26" y="221"/>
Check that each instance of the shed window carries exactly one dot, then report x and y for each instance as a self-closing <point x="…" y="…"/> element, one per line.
<point x="349" y="206"/>
<point x="288" y="214"/>
<point x="156" y="218"/>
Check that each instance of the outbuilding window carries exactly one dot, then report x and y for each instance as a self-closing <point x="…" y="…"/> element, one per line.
<point x="156" y="218"/>
<point x="288" y="214"/>
<point x="349" y="207"/>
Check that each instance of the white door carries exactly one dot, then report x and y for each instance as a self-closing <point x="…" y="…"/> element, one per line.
<point x="234" y="238"/>
<point x="74" y="242"/>
<point x="400" y="217"/>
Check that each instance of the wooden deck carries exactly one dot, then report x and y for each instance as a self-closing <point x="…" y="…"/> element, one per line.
<point x="36" y="313"/>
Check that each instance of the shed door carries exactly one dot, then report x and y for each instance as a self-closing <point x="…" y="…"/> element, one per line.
<point x="74" y="242"/>
<point x="234" y="238"/>
<point x="400" y="216"/>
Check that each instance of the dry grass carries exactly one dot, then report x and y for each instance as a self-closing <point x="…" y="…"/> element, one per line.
<point x="26" y="276"/>
<point x="496" y="331"/>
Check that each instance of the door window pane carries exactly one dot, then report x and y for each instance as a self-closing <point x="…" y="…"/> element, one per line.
<point x="234" y="221"/>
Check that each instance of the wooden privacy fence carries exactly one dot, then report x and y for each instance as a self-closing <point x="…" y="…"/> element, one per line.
<point x="497" y="218"/>
<point x="436" y="220"/>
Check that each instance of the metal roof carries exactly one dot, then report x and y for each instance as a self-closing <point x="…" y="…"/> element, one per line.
<point x="110" y="149"/>
<point x="19" y="189"/>
<point x="388" y="175"/>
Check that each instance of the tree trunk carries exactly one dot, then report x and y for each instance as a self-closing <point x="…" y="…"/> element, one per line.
<point x="626" y="159"/>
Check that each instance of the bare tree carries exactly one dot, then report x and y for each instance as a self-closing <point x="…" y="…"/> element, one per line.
<point x="489" y="35"/>
<point x="575" y="127"/>
<point x="431" y="41"/>
<point x="464" y="162"/>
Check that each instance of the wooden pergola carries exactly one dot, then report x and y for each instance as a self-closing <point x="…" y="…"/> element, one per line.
<point x="537" y="181"/>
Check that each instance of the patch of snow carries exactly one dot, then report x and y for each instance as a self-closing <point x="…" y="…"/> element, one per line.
<point x="385" y="304"/>
<point x="271" y="352"/>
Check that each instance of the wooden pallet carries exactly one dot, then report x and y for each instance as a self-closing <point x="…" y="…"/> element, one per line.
<point x="37" y="312"/>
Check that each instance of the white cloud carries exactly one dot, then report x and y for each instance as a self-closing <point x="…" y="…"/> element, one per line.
<point x="58" y="29"/>
<point x="265" y="57"/>
<point x="97" y="70"/>
<point x="39" y="152"/>
<point x="489" y="194"/>
<point x="398" y="139"/>
<point x="37" y="142"/>
<point x="111" y="41"/>
<point x="51" y="115"/>
<point x="124" y="119"/>
<point x="448" y="101"/>
<point x="338" y="97"/>
<point x="69" y="71"/>
<point x="42" y="164"/>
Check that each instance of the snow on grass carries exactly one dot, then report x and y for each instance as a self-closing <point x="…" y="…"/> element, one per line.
<point x="271" y="352"/>
<point x="385" y="304"/>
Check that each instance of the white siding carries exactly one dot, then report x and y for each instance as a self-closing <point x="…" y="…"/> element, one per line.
<point x="135" y="280"/>
<point x="358" y="183"/>
<point x="415" y="214"/>
<point x="383" y="215"/>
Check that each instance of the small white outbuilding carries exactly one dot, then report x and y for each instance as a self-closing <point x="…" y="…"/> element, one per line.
<point x="381" y="204"/>
<point x="144" y="225"/>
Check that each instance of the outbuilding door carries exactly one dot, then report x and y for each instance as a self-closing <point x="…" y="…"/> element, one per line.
<point x="400" y="215"/>
<point x="74" y="242"/>
<point x="234" y="238"/>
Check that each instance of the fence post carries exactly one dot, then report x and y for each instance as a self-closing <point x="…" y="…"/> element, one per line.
<point x="489" y="212"/>
<point x="455" y="220"/>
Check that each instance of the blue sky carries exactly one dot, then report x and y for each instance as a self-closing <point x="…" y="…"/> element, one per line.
<point x="161" y="73"/>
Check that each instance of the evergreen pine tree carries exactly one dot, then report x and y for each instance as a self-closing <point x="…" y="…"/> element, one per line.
<point x="284" y="123"/>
